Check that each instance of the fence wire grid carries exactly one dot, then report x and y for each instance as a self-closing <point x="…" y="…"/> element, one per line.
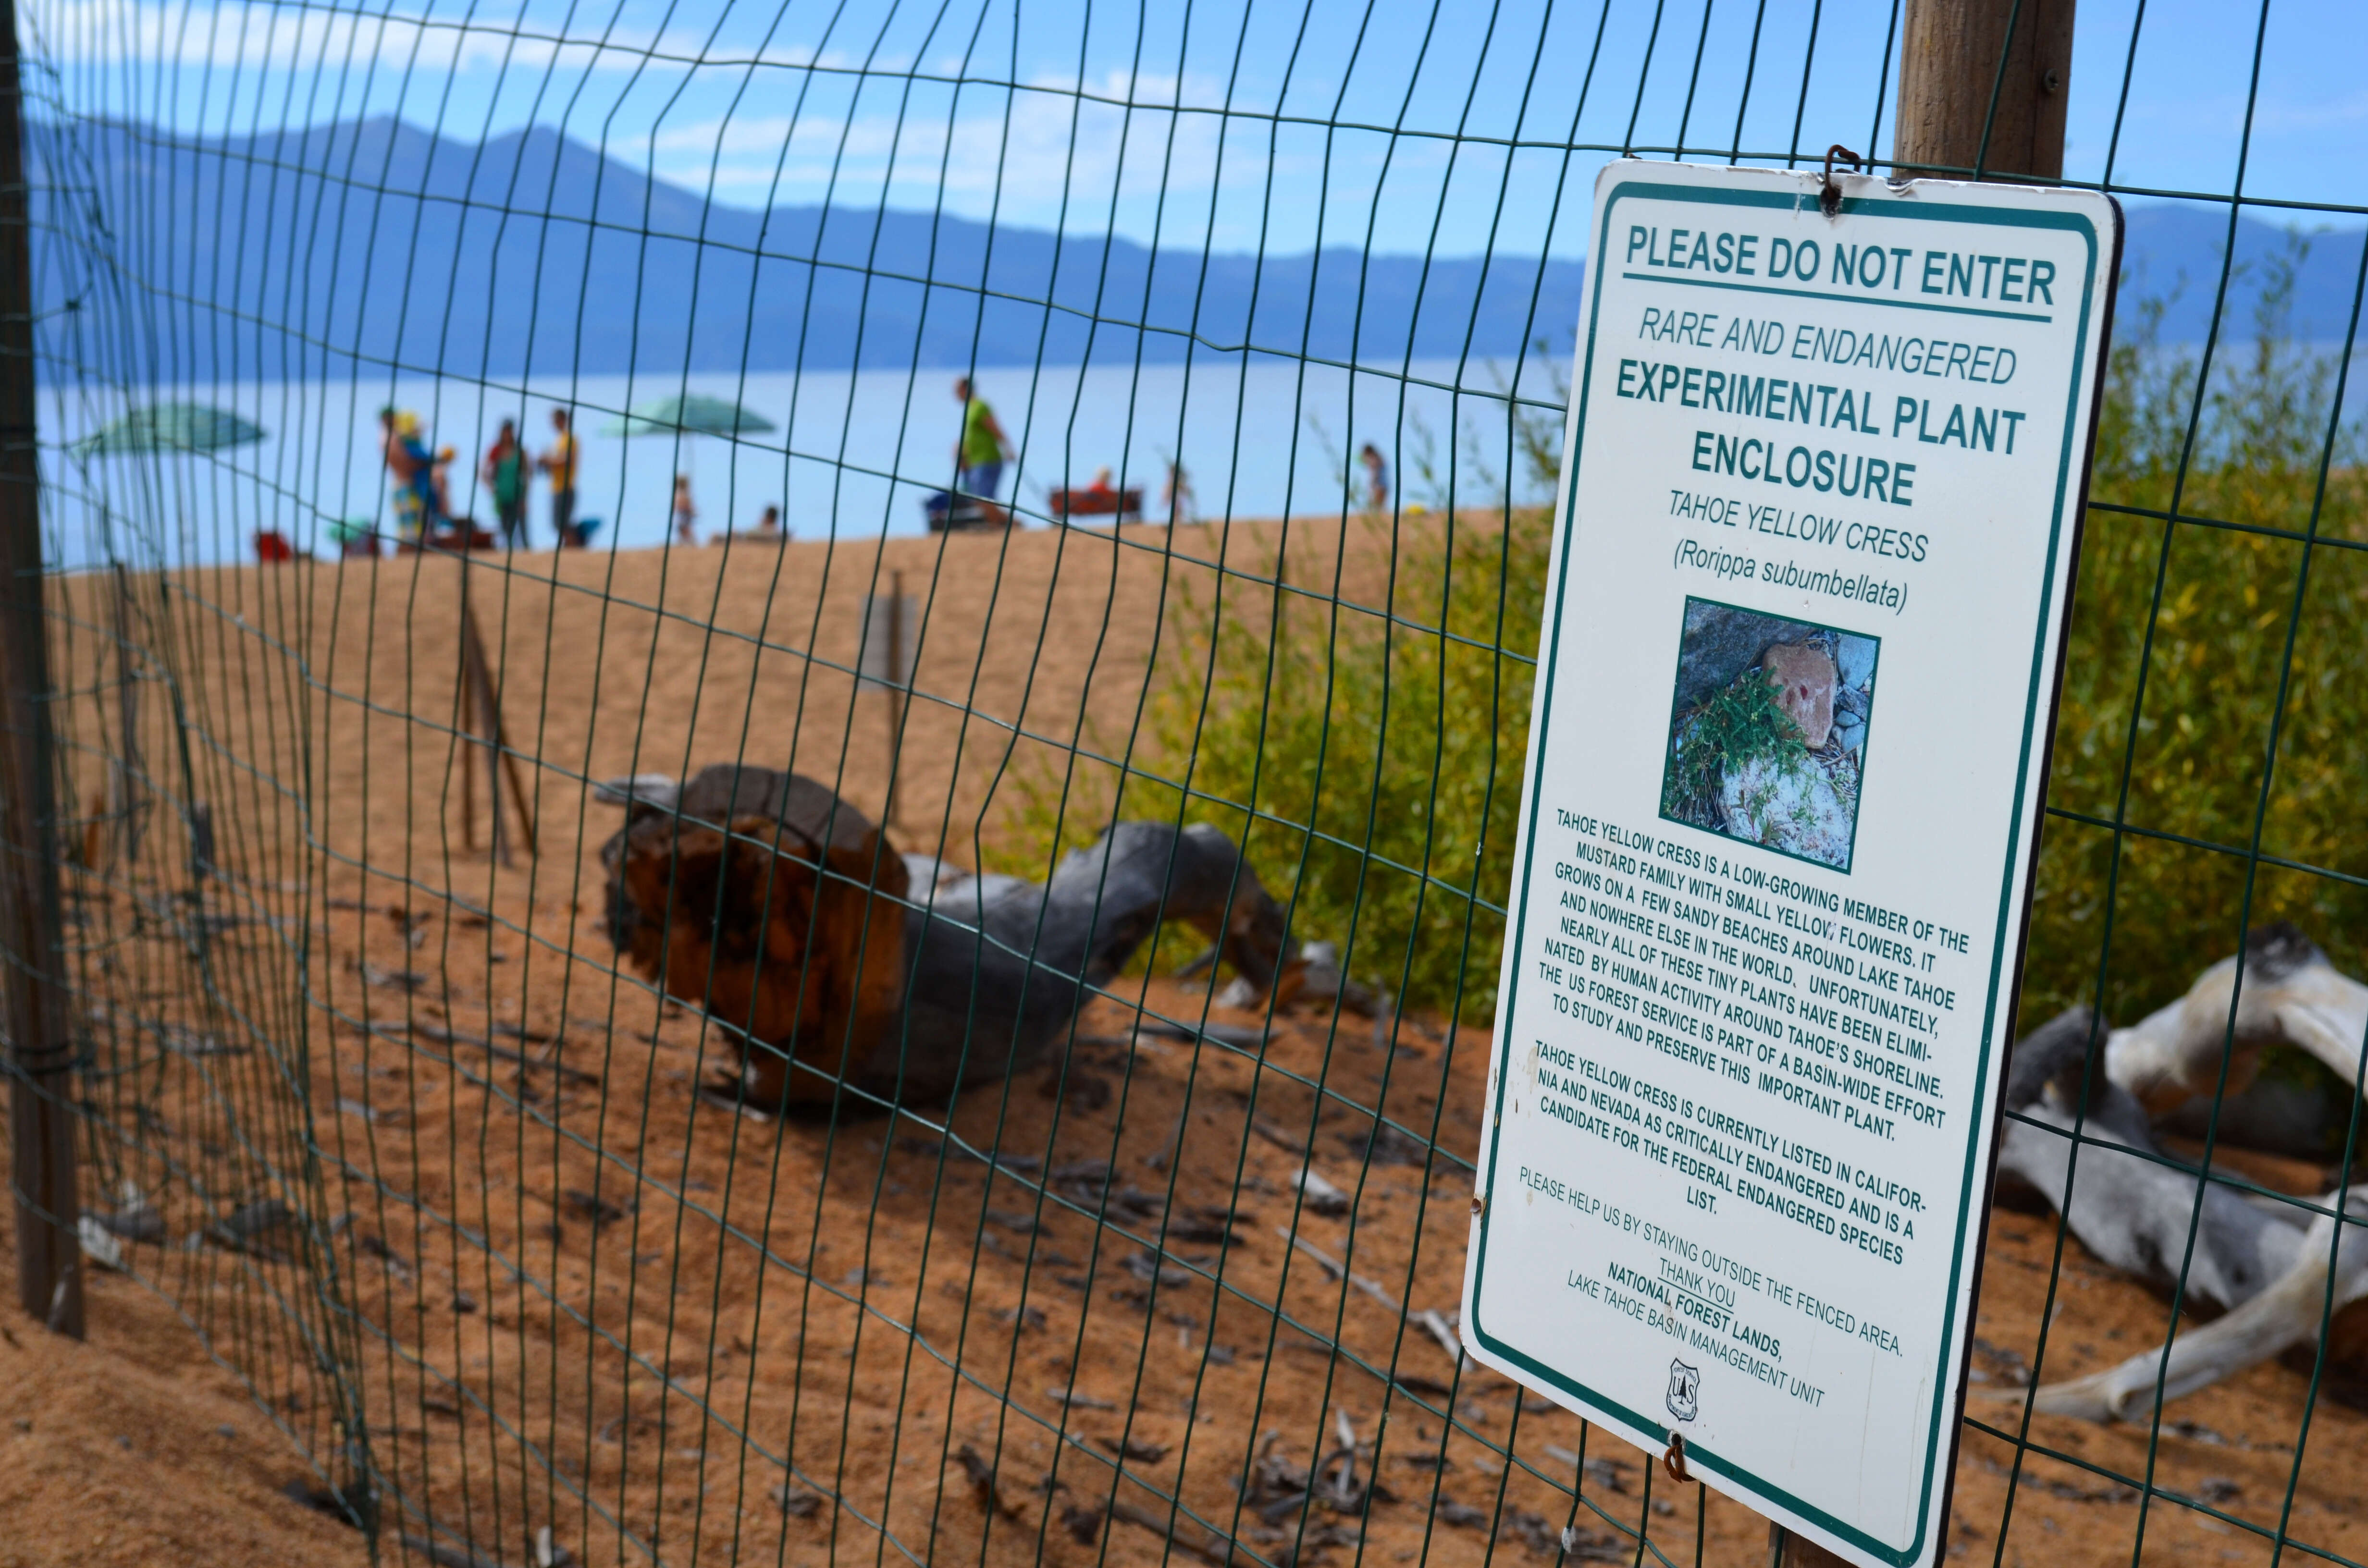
<point x="1121" y="1225"/>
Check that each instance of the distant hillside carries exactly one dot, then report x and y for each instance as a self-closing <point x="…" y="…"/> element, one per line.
<point x="283" y="255"/>
<point x="379" y="237"/>
<point x="2173" y="254"/>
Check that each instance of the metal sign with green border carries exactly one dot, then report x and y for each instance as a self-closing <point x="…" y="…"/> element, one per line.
<point x="1822" y="488"/>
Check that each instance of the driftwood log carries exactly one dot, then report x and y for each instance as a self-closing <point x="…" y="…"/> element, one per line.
<point x="2274" y="1275"/>
<point x="2290" y="994"/>
<point x="764" y="899"/>
<point x="2130" y="1203"/>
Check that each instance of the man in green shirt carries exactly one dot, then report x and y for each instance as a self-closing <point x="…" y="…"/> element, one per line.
<point x="979" y="458"/>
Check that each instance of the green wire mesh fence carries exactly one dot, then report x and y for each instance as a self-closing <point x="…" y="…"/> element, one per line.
<point x="1071" y="1159"/>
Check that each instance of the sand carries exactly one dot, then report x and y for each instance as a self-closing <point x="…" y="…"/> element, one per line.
<point x="134" y="1447"/>
<point x="562" y="1291"/>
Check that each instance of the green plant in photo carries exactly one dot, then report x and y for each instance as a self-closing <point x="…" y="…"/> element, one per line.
<point x="1741" y="723"/>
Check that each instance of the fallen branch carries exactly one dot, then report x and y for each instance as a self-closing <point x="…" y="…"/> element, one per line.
<point x="2133" y="1206"/>
<point x="1076" y="1400"/>
<point x="1334" y="1268"/>
<point x="2276" y="1282"/>
<point x="2293" y="1311"/>
<point x="1428" y="1317"/>
<point x="982" y="1483"/>
<point x="1278" y="1137"/>
<point x="1321" y="1195"/>
<point x="2284" y="990"/>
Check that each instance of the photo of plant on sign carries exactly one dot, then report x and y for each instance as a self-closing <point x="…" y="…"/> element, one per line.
<point x="1768" y="731"/>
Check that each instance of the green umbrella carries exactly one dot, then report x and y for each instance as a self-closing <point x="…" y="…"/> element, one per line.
<point x="170" y="428"/>
<point x="690" y="415"/>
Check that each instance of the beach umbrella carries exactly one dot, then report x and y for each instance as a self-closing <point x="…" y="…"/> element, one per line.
<point x="170" y="428"/>
<point x="689" y="414"/>
<point x="162" y="427"/>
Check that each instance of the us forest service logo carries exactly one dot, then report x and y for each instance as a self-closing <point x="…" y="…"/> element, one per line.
<point x="1685" y="1391"/>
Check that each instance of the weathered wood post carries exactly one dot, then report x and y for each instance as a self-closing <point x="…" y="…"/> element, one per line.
<point x="130" y="792"/>
<point x="900" y="677"/>
<point x="40" y="1042"/>
<point x="886" y="657"/>
<point x="1983" y="85"/>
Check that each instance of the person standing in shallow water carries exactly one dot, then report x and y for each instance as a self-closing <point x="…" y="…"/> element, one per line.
<point x="504" y="476"/>
<point x="1377" y="477"/>
<point x="686" y="516"/>
<point x="979" y="458"/>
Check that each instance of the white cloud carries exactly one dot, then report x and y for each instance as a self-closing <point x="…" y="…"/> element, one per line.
<point x="1121" y="141"/>
<point x="256" y="34"/>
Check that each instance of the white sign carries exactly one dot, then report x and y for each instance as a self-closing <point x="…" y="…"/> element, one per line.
<point x="1822" y="484"/>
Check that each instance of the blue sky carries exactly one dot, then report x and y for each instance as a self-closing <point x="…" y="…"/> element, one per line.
<point x="1243" y="124"/>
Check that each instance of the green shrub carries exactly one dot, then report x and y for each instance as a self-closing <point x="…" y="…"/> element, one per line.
<point x="2218" y="632"/>
<point x="1371" y="761"/>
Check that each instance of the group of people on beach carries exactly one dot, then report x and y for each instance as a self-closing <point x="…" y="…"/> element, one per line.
<point x="423" y="497"/>
<point x="506" y="470"/>
<point x="421" y="479"/>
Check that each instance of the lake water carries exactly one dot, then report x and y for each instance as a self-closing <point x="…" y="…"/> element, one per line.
<point x="854" y="452"/>
<point x="851" y="453"/>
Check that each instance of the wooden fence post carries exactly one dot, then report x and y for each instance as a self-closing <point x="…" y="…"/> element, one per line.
<point x="1983" y="85"/>
<point x="1786" y="1550"/>
<point x="40" y="1042"/>
<point x="885" y="656"/>
<point x="899" y="676"/>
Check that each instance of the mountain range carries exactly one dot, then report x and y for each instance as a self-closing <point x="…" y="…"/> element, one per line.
<point x="293" y="254"/>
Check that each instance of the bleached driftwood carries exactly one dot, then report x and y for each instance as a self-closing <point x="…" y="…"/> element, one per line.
<point x="2329" y="1272"/>
<point x="2290" y="994"/>
<point x="2130" y="1203"/>
<point x="2277" y="1282"/>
